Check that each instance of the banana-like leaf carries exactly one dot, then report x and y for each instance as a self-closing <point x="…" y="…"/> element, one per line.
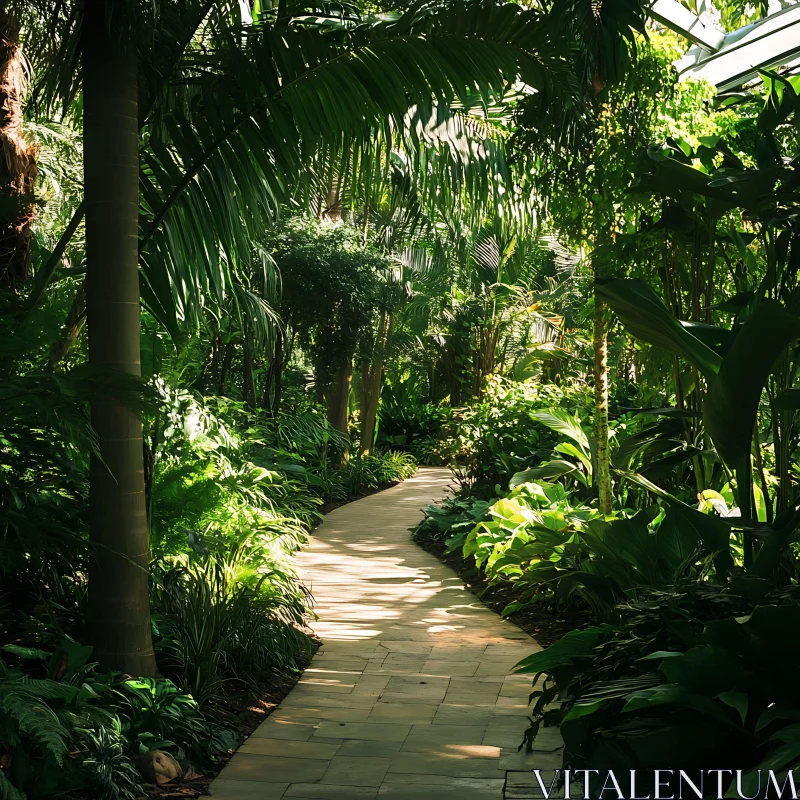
<point x="718" y="339"/>
<point x="663" y="466"/>
<point x="635" y="443"/>
<point x="773" y="540"/>
<point x="736" y="381"/>
<point x="729" y="412"/>
<point x="569" y="449"/>
<point x="714" y="532"/>
<point x="563" y="422"/>
<point x="548" y="470"/>
<point x="646" y="317"/>
<point x="788" y="400"/>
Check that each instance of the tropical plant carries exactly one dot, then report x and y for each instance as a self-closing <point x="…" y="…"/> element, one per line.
<point x="693" y="674"/>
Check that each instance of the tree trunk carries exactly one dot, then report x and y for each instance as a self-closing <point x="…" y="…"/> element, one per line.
<point x="370" y="418"/>
<point x="372" y="391"/>
<point x="339" y="401"/>
<point x="339" y="396"/>
<point x="281" y="360"/>
<point x="248" y="384"/>
<point x="272" y="372"/>
<point x="226" y="367"/>
<point x="17" y="157"/>
<point x="71" y="330"/>
<point x="602" y="468"/>
<point x="212" y="376"/>
<point x="118" y="603"/>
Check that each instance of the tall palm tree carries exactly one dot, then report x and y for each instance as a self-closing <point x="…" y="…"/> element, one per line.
<point x="119" y="611"/>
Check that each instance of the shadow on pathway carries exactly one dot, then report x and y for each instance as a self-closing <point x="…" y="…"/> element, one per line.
<point x="411" y="694"/>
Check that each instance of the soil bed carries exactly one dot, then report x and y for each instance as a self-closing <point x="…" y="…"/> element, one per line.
<point x="250" y="707"/>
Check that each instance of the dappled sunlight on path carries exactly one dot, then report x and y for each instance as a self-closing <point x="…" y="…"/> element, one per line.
<point x="411" y="694"/>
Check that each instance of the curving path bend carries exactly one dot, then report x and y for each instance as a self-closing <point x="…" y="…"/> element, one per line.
<point x="411" y="694"/>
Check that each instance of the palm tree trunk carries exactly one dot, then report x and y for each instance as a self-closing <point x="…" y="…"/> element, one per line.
<point x="602" y="467"/>
<point x="17" y="157"/>
<point x="118" y="606"/>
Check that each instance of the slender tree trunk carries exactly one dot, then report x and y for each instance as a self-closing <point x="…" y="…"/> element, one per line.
<point x="602" y="467"/>
<point x="366" y="373"/>
<point x="374" y="385"/>
<point x="71" y="330"/>
<point x="370" y="418"/>
<point x="248" y="385"/>
<point x="339" y="395"/>
<point x="282" y="356"/>
<point x="266" y="397"/>
<point x="150" y="461"/>
<point x="226" y="367"/>
<point x="213" y="369"/>
<point x="118" y="605"/>
<point x="338" y="399"/>
<point x="17" y="157"/>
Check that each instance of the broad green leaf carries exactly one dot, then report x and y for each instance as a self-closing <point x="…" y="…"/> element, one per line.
<point x="738" y="700"/>
<point x="583" y="709"/>
<point x="570" y="449"/>
<point x="713" y="532"/>
<point x="729" y="411"/>
<point x="646" y="317"/>
<point x="564" y="423"/>
<point x="548" y="469"/>
<point x="575" y="645"/>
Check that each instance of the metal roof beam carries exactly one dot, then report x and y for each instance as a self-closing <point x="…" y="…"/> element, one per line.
<point x="679" y="19"/>
<point x="769" y="42"/>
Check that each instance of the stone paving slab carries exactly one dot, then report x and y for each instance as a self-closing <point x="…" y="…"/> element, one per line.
<point x="412" y="695"/>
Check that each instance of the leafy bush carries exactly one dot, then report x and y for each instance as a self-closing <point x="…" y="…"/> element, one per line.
<point x="407" y="422"/>
<point x="530" y="538"/>
<point x="367" y="473"/>
<point x="501" y="435"/>
<point x="450" y="521"/>
<point x="76" y="729"/>
<point x="218" y="621"/>
<point x="548" y="546"/>
<point x="695" y="674"/>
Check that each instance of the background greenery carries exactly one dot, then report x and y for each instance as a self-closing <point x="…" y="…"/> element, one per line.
<point x="500" y="239"/>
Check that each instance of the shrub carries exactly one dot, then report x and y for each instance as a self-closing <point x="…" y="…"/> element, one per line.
<point x="694" y="675"/>
<point x="78" y="730"/>
<point x="219" y="622"/>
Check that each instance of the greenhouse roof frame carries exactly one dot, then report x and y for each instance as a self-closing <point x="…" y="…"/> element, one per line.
<point x="730" y="60"/>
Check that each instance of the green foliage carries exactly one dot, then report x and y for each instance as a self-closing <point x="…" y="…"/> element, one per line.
<point x="330" y="288"/>
<point x="504" y="433"/>
<point x="735" y="380"/>
<point x="531" y="539"/>
<point x="367" y="473"/>
<point x="220" y="620"/>
<point x="694" y="674"/>
<point x="83" y="731"/>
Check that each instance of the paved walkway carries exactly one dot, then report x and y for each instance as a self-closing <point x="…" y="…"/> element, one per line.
<point x="410" y="695"/>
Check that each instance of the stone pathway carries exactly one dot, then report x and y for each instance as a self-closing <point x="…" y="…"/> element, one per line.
<point x="411" y="694"/>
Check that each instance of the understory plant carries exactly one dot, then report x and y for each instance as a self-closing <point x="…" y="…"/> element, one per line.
<point x="693" y="674"/>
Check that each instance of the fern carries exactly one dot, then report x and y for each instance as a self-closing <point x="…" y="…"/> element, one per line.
<point x="7" y="790"/>
<point x="25" y="711"/>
